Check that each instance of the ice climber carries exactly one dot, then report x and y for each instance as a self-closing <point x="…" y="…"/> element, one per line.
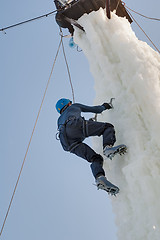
<point x="73" y="129"/>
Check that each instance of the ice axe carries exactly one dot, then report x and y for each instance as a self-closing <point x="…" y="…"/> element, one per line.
<point x="110" y="103"/>
<point x="95" y="117"/>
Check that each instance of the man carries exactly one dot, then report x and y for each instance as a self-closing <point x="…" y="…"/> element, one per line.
<point x="73" y="129"/>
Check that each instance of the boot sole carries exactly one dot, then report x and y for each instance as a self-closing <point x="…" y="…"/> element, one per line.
<point x="120" y="151"/>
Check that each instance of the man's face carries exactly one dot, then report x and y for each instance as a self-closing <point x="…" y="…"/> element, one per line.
<point x="69" y="104"/>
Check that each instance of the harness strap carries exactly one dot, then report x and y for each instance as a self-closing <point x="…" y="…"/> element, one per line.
<point x="69" y="119"/>
<point x="85" y="128"/>
<point x="73" y="146"/>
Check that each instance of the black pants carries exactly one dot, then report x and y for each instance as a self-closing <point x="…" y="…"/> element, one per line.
<point x="79" y="129"/>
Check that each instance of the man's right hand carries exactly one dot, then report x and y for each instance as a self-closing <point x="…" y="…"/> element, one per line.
<point x="107" y="106"/>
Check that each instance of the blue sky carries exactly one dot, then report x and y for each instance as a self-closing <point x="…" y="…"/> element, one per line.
<point x="55" y="197"/>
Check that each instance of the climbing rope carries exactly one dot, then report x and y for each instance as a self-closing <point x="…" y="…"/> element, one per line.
<point x="143" y="30"/>
<point x="29" y="20"/>
<point x="151" y="18"/>
<point x="69" y="75"/>
<point x="61" y="43"/>
<point x="117" y="4"/>
<point x="30" y="140"/>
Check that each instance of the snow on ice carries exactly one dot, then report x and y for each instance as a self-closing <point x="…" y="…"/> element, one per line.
<point x="128" y="69"/>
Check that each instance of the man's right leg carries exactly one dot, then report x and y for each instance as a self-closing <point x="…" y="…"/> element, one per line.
<point x="85" y="152"/>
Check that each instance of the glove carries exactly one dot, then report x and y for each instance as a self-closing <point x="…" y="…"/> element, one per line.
<point x="107" y="106"/>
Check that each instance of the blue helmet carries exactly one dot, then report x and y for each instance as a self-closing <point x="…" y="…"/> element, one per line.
<point x="61" y="104"/>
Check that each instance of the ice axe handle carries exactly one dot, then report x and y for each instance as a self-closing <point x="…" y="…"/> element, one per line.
<point x="110" y="103"/>
<point x="94" y="118"/>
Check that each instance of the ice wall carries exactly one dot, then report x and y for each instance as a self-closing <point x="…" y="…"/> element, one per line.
<point x="129" y="70"/>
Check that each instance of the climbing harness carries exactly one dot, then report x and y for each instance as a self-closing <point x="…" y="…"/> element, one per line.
<point x="63" y="135"/>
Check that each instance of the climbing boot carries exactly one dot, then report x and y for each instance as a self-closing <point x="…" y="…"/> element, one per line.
<point x="104" y="184"/>
<point x="110" y="151"/>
